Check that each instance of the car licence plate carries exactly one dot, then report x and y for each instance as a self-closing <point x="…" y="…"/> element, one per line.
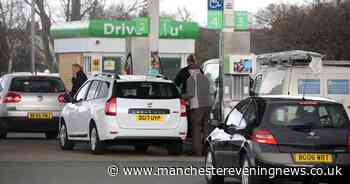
<point x="312" y="158"/>
<point x="35" y="115"/>
<point x="150" y="118"/>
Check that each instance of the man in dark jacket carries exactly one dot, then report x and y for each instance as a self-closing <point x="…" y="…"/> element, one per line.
<point x="78" y="78"/>
<point x="184" y="74"/>
<point x="198" y="96"/>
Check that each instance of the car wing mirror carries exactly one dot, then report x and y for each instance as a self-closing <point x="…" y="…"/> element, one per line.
<point x="68" y="98"/>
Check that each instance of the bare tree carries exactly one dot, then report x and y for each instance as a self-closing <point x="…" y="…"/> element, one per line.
<point x="43" y="10"/>
<point x="79" y="9"/>
<point x="182" y="14"/>
<point x="126" y="10"/>
<point x="76" y="10"/>
<point x="323" y="28"/>
<point x="12" y="24"/>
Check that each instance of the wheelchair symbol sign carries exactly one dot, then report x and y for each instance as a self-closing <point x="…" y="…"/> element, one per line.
<point x="216" y="5"/>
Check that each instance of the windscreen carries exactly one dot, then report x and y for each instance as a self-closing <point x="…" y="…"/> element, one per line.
<point x="146" y="90"/>
<point x="37" y="85"/>
<point x="312" y="115"/>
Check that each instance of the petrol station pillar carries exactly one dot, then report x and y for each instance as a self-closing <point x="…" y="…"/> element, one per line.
<point x="234" y="51"/>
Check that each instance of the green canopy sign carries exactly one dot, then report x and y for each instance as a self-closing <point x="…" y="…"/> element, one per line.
<point x="139" y="27"/>
<point x="215" y="19"/>
<point x="179" y="30"/>
<point x="119" y="28"/>
<point x="241" y="20"/>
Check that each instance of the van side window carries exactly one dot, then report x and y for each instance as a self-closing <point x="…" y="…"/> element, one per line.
<point x="338" y="87"/>
<point x="309" y="86"/>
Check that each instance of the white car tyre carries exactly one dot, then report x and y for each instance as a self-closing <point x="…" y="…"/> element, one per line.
<point x="96" y="145"/>
<point x="65" y="144"/>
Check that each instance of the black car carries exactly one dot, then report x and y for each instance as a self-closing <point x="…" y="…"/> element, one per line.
<point x="282" y="132"/>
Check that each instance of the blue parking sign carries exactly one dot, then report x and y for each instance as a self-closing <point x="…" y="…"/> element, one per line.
<point x="216" y="5"/>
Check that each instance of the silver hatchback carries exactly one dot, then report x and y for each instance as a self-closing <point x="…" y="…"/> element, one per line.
<point x="30" y="103"/>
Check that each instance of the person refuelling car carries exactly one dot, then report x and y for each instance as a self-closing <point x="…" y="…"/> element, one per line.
<point x="198" y="96"/>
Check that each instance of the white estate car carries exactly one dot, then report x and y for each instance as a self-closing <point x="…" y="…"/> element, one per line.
<point x="131" y="110"/>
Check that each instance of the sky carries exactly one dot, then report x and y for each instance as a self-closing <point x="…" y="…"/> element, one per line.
<point x="198" y="8"/>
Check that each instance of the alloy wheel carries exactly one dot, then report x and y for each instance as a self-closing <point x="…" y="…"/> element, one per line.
<point x="93" y="139"/>
<point x="63" y="135"/>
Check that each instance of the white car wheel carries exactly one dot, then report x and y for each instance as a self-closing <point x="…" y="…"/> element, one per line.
<point x="93" y="139"/>
<point x="65" y="144"/>
<point x="96" y="146"/>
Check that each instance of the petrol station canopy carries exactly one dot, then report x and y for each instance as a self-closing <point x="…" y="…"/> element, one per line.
<point x="138" y="27"/>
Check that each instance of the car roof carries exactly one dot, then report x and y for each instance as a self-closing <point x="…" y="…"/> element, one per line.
<point x="274" y="98"/>
<point x="142" y="78"/>
<point x="28" y="74"/>
<point x="130" y="78"/>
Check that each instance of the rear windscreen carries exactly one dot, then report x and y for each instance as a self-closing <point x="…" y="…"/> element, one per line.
<point x="146" y="90"/>
<point x="308" y="115"/>
<point x="37" y="85"/>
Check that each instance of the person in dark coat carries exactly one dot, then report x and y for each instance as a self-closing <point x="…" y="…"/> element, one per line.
<point x="198" y="97"/>
<point x="181" y="82"/>
<point x="78" y="78"/>
<point x="184" y="74"/>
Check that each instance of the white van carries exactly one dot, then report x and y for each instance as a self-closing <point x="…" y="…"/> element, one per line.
<point x="298" y="79"/>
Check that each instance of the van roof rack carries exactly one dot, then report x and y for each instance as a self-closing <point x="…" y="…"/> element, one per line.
<point x="293" y="57"/>
<point x="110" y="75"/>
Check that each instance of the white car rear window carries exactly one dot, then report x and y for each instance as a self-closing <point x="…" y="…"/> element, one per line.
<point x="146" y="90"/>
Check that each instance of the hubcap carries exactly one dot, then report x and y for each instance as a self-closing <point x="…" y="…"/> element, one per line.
<point x="63" y="135"/>
<point x="209" y="164"/>
<point x="93" y="139"/>
<point x="245" y="177"/>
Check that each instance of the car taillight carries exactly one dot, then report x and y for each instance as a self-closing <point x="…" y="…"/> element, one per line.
<point x="183" y="108"/>
<point x="61" y="98"/>
<point x="349" y="141"/>
<point x="111" y="107"/>
<point x="12" y="97"/>
<point x="263" y="137"/>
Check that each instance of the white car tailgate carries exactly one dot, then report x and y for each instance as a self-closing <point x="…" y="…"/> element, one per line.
<point x="148" y="114"/>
